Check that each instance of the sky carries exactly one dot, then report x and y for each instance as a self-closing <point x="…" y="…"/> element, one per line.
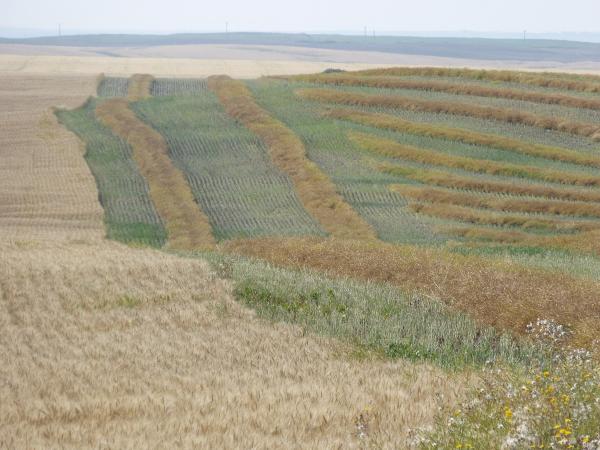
<point x="301" y="15"/>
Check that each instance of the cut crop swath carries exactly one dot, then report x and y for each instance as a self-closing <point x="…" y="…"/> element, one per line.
<point x="130" y="215"/>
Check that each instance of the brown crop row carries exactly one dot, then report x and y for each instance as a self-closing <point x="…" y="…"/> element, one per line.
<point x="187" y="226"/>
<point x="585" y="242"/>
<point x="485" y="217"/>
<point x="139" y="87"/>
<point x="394" y="149"/>
<point x="450" y="180"/>
<point x="450" y="88"/>
<point x="444" y="196"/>
<point x="569" y="82"/>
<point x="456" y="108"/>
<point x="393" y="123"/>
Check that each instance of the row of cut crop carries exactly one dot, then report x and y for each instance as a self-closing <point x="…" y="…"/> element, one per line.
<point x="451" y="88"/>
<point x="314" y="188"/>
<point x="228" y="169"/>
<point x="453" y="108"/>
<point x="130" y="215"/>
<point x="569" y="82"/>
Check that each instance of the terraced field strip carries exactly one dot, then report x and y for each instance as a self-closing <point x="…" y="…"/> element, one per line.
<point x="387" y="147"/>
<point x="444" y="196"/>
<point x="451" y="180"/>
<point x="227" y="167"/>
<point x="512" y="116"/>
<point x="484" y="217"/>
<point x="568" y="82"/>
<point x="450" y="88"/>
<point x="129" y="214"/>
<point x="187" y="226"/>
<point x="315" y="189"/>
<point x="393" y="123"/>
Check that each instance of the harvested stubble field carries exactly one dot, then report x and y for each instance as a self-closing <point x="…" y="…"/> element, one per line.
<point x="329" y="277"/>
<point x="46" y="190"/>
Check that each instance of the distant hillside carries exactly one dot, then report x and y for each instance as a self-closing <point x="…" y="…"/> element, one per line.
<point x="469" y="48"/>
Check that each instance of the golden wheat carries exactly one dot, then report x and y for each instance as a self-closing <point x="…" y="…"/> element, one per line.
<point x="138" y="348"/>
<point x="316" y="192"/>
<point x="455" y="108"/>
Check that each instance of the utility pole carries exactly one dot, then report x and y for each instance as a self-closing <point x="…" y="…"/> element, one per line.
<point x="365" y="31"/>
<point x="524" y="34"/>
<point x="59" y="30"/>
<point x="226" y="27"/>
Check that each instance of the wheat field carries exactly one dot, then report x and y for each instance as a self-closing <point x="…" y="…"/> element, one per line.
<point x="105" y="345"/>
<point x="46" y="189"/>
<point x="110" y="346"/>
<point x="294" y="275"/>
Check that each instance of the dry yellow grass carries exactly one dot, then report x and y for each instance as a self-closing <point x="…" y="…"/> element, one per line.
<point x="389" y="122"/>
<point x="483" y="217"/>
<point x="107" y="346"/>
<point x="387" y="147"/>
<point x="450" y="180"/>
<point x="462" y="109"/>
<point x="444" y="196"/>
<point x="582" y="82"/>
<point x="187" y="226"/>
<point x="315" y="190"/>
<point x="451" y="88"/>
<point x="497" y="293"/>
<point x="47" y="191"/>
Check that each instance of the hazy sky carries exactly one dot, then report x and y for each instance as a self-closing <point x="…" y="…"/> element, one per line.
<point x="303" y="15"/>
